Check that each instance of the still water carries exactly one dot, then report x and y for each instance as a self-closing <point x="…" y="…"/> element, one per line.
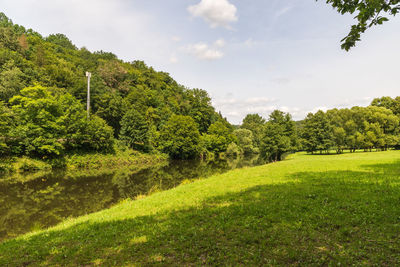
<point x="46" y="199"/>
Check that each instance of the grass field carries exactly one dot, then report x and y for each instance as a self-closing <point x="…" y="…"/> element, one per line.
<point x="306" y="210"/>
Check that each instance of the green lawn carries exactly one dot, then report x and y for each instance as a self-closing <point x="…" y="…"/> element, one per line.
<point x="306" y="210"/>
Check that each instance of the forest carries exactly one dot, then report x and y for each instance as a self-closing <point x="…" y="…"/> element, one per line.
<point x="43" y="96"/>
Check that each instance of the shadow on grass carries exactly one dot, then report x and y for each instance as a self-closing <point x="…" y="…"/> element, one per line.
<point x="392" y="169"/>
<point x="333" y="152"/>
<point x="322" y="218"/>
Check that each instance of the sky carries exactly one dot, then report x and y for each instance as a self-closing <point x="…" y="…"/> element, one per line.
<point x="251" y="56"/>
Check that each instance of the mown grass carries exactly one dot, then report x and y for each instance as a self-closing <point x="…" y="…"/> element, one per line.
<point x="307" y="210"/>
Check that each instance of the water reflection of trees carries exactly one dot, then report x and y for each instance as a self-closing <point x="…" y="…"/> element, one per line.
<point x="52" y="197"/>
<point x="46" y="201"/>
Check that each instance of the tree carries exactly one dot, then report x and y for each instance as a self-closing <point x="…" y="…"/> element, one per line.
<point x="339" y="139"/>
<point x="389" y="103"/>
<point x="317" y="132"/>
<point x="8" y="38"/>
<point x="61" y="40"/>
<point x="5" y="21"/>
<point x="278" y="136"/>
<point x="218" y="138"/>
<point x="289" y="127"/>
<point x="180" y="137"/>
<point x="11" y="81"/>
<point x="7" y="122"/>
<point x="368" y="15"/>
<point x="135" y="130"/>
<point x="111" y="108"/>
<point x="114" y="75"/>
<point x="98" y="136"/>
<point x="245" y="141"/>
<point x="200" y="108"/>
<point x="274" y="143"/>
<point x="254" y="123"/>
<point x="38" y="129"/>
<point x="233" y="150"/>
<point x="47" y="123"/>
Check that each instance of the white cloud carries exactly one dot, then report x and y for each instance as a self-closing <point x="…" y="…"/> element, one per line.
<point x="220" y="43"/>
<point x="314" y="110"/>
<point x="225" y="102"/>
<point x="259" y="100"/>
<point x="204" y="51"/>
<point x="176" y="38"/>
<point x="236" y="109"/>
<point x="281" y="80"/>
<point x="247" y="104"/>
<point x="359" y="101"/>
<point x="173" y="59"/>
<point x="251" y="43"/>
<point x="233" y="114"/>
<point x="215" y="12"/>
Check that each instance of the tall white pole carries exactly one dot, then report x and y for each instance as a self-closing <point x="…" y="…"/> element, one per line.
<point x="88" y="75"/>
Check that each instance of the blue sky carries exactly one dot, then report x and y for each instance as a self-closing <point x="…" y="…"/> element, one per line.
<point x="252" y="56"/>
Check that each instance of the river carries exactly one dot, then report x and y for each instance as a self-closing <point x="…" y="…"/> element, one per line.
<point x="46" y="199"/>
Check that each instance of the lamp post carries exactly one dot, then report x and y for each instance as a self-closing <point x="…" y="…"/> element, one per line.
<point x="88" y="75"/>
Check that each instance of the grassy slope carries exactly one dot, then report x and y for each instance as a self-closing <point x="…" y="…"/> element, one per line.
<point x="306" y="210"/>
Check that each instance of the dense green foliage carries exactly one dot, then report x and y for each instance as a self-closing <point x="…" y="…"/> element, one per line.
<point x="355" y="128"/>
<point x="218" y="138"/>
<point x="317" y="132"/>
<point x="130" y="98"/>
<point x="279" y="136"/>
<point x="374" y="127"/>
<point x="272" y="138"/>
<point x="246" y="141"/>
<point x="254" y="123"/>
<point x="46" y="124"/>
<point x="369" y="13"/>
<point x="135" y="130"/>
<point x="311" y="210"/>
<point x="180" y="137"/>
<point x="387" y="102"/>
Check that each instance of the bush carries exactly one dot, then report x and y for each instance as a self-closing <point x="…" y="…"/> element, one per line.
<point x="6" y="166"/>
<point x="48" y="123"/>
<point x="180" y="137"/>
<point x="246" y="141"/>
<point x="135" y="130"/>
<point x="233" y="150"/>
<point x="30" y="165"/>
<point x="218" y="138"/>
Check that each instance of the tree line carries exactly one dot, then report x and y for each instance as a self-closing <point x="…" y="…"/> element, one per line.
<point x="358" y="128"/>
<point x="364" y="128"/>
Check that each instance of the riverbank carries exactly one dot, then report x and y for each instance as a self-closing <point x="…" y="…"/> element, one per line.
<point x="25" y="166"/>
<point x="306" y="210"/>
